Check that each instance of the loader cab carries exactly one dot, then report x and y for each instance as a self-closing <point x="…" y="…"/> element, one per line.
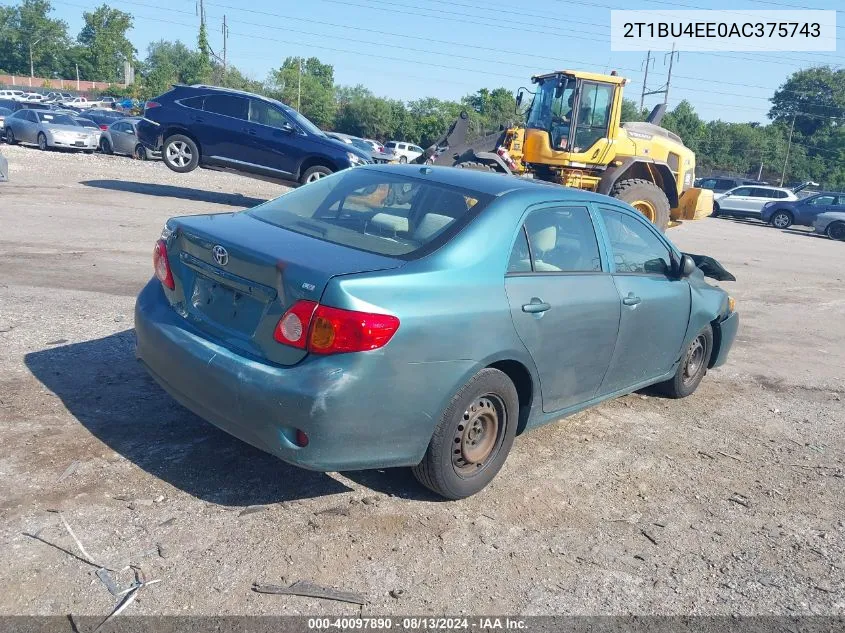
<point x="572" y="118"/>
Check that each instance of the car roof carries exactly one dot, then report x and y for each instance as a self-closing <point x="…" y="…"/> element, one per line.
<point x="240" y="93"/>
<point x="491" y="183"/>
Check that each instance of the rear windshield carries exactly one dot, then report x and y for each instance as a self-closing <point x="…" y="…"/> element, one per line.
<point x="377" y="212"/>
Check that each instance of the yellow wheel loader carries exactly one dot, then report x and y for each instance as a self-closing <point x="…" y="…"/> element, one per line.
<point x="572" y="135"/>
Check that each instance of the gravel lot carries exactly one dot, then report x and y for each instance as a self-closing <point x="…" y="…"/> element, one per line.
<point x="728" y="502"/>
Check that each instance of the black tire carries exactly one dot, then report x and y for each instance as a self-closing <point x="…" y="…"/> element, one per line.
<point x="716" y="210"/>
<point x="836" y="231"/>
<point x="315" y="173"/>
<point x="88" y="151"/>
<point x="10" y="136"/>
<point x="474" y="166"/>
<point x="180" y="153"/>
<point x="42" y="142"/>
<point x="781" y="219"/>
<point x="140" y="152"/>
<point x="105" y="146"/>
<point x="636" y="189"/>
<point x="692" y="367"/>
<point x="488" y="402"/>
<point x="403" y="159"/>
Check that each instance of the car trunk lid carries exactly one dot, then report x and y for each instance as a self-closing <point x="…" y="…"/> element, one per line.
<point x="238" y="275"/>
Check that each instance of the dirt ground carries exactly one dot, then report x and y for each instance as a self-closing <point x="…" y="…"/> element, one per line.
<point x="729" y="502"/>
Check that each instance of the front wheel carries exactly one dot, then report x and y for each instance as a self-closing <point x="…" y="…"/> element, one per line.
<point x="715" y="213"/>
<point x="692" y="368"/>
<point x="105" y="146"/>
<point x="312" y="174"/>
<point x="781" y="220"/>
<point x="180" y="153"/>
<point x="10" y="136"/>
<point x="140" y="152"/>
<point x="403" y="159"/>
<point x="473" y="438"/>
<point x="836" y="231"/>
<point x="42" y="142"/>
<point x="646" y="197"/>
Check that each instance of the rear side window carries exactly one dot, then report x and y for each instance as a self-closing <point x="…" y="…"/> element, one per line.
<point x="636" y="249"/>
<point x="375" y="212"/>
<point x="227" y="105"/>
<point x="764" y="193"/>
<point x="562" y="239"/>
<point x="193" y="102"/>
<point x="391" y="144"/>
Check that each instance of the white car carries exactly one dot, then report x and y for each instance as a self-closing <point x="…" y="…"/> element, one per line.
<point x="748" y="200"/>
<point x="377" y="147"/>
<point x="33" y="97"/>
<point x="832" y="224"/>
<point x="79" y="102"/>
<point x="14" y="95"/>
<point x="405" y="151"/>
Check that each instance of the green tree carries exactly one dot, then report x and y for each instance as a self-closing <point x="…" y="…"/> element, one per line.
<point x="630" y="112"/>
<point x="104" y="35"/>
<point x="168" y="63"/>
<point x="816" y="96"/>
<point x="203" y="68"/>
<point x="306" y="84"/>
<point x="27" y="28"/>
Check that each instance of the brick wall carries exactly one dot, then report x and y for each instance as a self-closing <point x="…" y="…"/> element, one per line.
<point x="39" y="83"/>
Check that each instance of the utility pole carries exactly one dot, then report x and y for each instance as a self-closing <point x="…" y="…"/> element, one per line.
<point x="669" y="77"/>
<point x="77" y="77"/>
<point x="225" y="37"/>
<point x="788" y="147"/>
<point x="31" y="64"/>
<point x="648" y="61"/>
<point x="299" y="88"/>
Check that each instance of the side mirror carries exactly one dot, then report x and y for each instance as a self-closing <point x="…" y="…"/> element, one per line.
<point x="519" y="99"/>
<point x="687" y="266"/>
<point x="287" y="127"/>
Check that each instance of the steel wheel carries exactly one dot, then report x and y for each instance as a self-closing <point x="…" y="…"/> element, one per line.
<point x="179" y="153"/>
<point x="781" y="220"/>
<point x="836" y="231"/>
<point x="478" y="434"/>
<point x="646" y="208"/>
<point x="695" y="359"/>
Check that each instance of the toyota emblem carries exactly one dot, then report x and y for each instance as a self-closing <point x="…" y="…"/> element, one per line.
<point x="221" y="255"/>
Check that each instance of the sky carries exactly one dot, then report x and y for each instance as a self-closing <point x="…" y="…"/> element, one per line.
<point x="409" y="49"/>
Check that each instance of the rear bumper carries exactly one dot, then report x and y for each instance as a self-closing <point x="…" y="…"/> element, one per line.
<point x="359" y="410"/>
<point x="728" y="329"/>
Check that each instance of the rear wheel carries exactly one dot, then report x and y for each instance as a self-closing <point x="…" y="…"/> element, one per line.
<point x="105" y="146"/>
<point x="403" y="159"/>
<point x="42" y="142"/>
<point x="180" y="153"/>
<point x="140" y="152"/>
<point x="781" y="220"/>
<point x="10" y="136"/>
<point x="716" y="210"/>
<point x="473" y="438"/>
<point x="645" y="197"/>
<point x="692" y="368"/>
<point x="315" y="173"/>
<point x="836" y="231"/>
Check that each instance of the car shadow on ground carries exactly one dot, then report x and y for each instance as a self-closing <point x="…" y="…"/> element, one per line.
<point x="171" y="191"/>
<point x="105" y="389"/>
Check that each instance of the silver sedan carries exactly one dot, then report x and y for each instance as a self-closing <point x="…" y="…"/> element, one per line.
<point x="831" y="224"/>
<point x="49" y="129"/>
<point x="121" y="137"/>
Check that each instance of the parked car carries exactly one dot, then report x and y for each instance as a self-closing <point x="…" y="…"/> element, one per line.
<point x="4" y="112"/>
<point x="121" y="137"/>
<point x="79" y="102"/>
<point x="238" y="131"/>
<point x="802" y="212"/>
<point x="14" y="95"/>
<point x="15" y="105"/>
<point x="832" y="224"/>
<point x="748" y="201"/>
<point x="364" y="146"/>
<point x="104" y="118"/>
<point x="279" y="323"/>
<point x="720" y="184"/>
<point x="405" y="151"/>
<point x="36" y="97"/>
<point x="107" y="102"/>
<point x="89" y="124"/>
<point x="48" y="129"/>
<point x="378" y="147"/>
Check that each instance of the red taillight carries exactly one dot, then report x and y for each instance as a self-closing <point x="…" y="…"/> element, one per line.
<point x="162" y="266"/>
<point x="151" y="104"/>
<point x="104" y="127"/>
<point x="292" y="328"/>
<point x="301" y="438"/>
<point x="326" y="330"/>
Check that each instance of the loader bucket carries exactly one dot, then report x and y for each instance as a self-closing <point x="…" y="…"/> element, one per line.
<point x="694" y="204"/>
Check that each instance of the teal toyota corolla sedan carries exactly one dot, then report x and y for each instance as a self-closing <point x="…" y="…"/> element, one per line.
<point x="421" y="316"/>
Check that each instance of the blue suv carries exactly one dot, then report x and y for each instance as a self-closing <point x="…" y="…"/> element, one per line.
<point x="230" y="130"/>
<point x="782" y="215"/>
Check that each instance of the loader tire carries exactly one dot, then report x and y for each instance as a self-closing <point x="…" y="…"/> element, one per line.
<point x="645" y="197"/>
<point x="474" y="166"/>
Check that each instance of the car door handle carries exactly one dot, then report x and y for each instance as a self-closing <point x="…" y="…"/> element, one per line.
<point x="631" y="300"/>
<point x="199" y="119"/>
<point x="536" y="306"/>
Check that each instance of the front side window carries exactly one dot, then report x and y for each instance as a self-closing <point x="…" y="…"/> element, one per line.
<point x="636" y="249"/>
<point x="375" y="212"/>
<point x="823" y="200"/>
<point x="520" y="259"/>
<point x="303" y="121"/>
<point x="593" y="115"/>
<point x="562" y="239"/>
<point x="263" y="113"/>
<point x="227" y="105"/>
<point x="742" y="191"/>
